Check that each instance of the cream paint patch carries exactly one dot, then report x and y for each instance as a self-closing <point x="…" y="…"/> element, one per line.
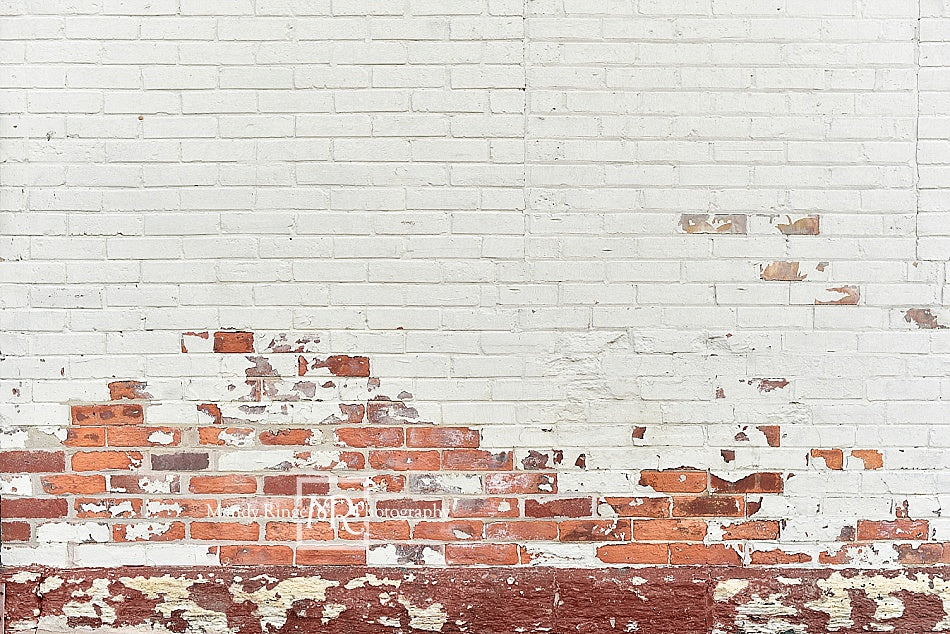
<point x="96" y="607"/>
<point x="430" y="618"/>
<point x="729" y="588"/>
<point x="373" y="581"/>
<point x="175" y="595"/>
<point x="49" y="584"/>
<point x="331" y="611"/>
<point x="273" y="603"/>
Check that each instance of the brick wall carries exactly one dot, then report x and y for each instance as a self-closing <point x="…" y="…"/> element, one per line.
<point x="572" y="283"/>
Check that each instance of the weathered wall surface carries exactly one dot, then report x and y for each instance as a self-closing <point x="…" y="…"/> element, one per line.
<point x="548" y="283"/>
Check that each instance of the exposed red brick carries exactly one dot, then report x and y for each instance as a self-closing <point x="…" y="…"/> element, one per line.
<point x="448" y="531"/>
<point x="255" y="555"/>
<point x="174" y="531"/>
<point x="634" y="554"/>
<point x="872" y="458"/>
<point x="61" y="484"/>
<point x="770" y="385"/>
<point x="484" y="507"/>
<point x="638" y="506"/>
<point x="674" y="481"/>
<point x="142" y="437"/>
<point x="331" y="556"/>
<point x="870" y="530"/>
<point x="397" y="460"/>
<point x="615" y="530"/>
<point x="182" y="461"/>
<point x="559" y="507"/>
<point x="32" y="461"/>
<point x="181" y="507"/>
<point x="232" y="531"/>
<point x="476" y="460"/>
<point x="755" y="529"/>
<point x="223" y="484"/>
<point x="782" y="272"/>
<point x="712" y="506"/>
<point x="123" y="483"/>
<point x="216" y="435"/>
<point x="105" y="460"/>
<point x="385" y="412"/>
<point x="233" y="342"/>
<point x="481" y="554"/>
<point x="14" y="532"/>
<point x="807" y="226"/>
<point x="923" y="554"/>
<point x="338" y="365"/>
<point x="521" y="483"/>
<point x="834" y="458"/>
<point x="296" y="531"/>
<point x="33" y="507"/>
<point x="773" y="434"/>
<point x="108" y="415"/>
<point x="383" y="483"/>
<point x="288" y="485"/>
<point x="850" y="296"/>
<point x="409" y="507"/>
<point x="86" y="437"/>
<point x="211" y="410"/>
<point x="132" y="390"/>
<point x="923" y="318"/>
<point x="449" y="437"/>
<point x="287" y="437"/>
<point x="387" y="530"/>
<point x="728" y="455"/>
<point x="370" y="436"/>
<point x="719" y="223"/>
<point x="663" y="530"/>
<point x="712" y="554"/>
<point x="639" y="432"/>
<point x="526" y="530"/>
<point x="765" y="482"/>
<point x="778" y="557"/>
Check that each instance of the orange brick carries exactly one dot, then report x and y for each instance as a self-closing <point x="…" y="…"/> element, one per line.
<point x="778" y="557"/>
<point x="370" y="436"/>
<point x="674" y="481"/>
<point x="634" y="554"/>
<point x="60" y="484"/>
<point x="871" y="458"/>
<point x="922" y="554"/>
<point x="253" y="555"/>
<point x="902" y="529"/>
<point x="756" y="529"/>
<point x="85" y="437"/>
<point x="708" y="506"/>
<point x="287" y="437"/>
<point x="595" y="530"/>
<point x="527" y="530"/>
<point x="397" y="460"/>
<point x="181" y="507"/>
<point x="448" y="531"/>
<point x="663" y="530"/>
<point x="558" y="507"/>
<point x="834" y="458"/>
<point x="223" y="484"/>
<point x="476" y="460"/>
<point x="233" y="342"/>
<point x="149" y="531"/>
<point x="484" y="507"/>
<point x="448" y="437"/>
<point x="143" y="437"/>
<point x="768" y="482"/>
<point x="217" y="435"/>
<point x="712" y="554"/>
<point x="295" y="531"/>
<point x="131" y="390"/>
<point x="108" y="415"/>
<point x="331" y="556"/>
<point x="513" y="483"/>
<point x="105" y="460"/>
<point x="387" y="530"/>
<point x="481" y="554"/>
<point x="231" y="531"/>
<point x="638" y="506"/>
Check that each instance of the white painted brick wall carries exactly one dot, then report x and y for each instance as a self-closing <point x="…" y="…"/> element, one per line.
<point x="486" y="197"/>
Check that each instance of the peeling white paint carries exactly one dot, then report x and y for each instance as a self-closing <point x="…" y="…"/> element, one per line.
<point x="729" y="588"/>
<point x="430" y="619"/>
<point x="175" y="595"/>
<point x="16" y="485"/>
<point x="25" y="576"/>
<point x="96" y="607"/>
<point x="161" y="437"/>
<point x="331" y="611"/>
<point x="49" y="584"/>
<point x="373" y="581"/>
<point x="273" y="603"/>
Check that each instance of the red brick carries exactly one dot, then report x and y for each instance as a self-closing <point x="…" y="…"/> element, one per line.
<point x="213" y="435"/>
<point x="713" y="506"/>
<point x="108" y="507"/>
<point x="756" y="529"/>
<point x="871" y="458"/>
<point x="772" y="433"/>
<point x="448" y="531"/>
<point x="902" y="529"/>
<point x="781" y="272"/>
<point x="105" y="460"/>
<point x="807" y="226"/>
<point x="108" y="415"/>
<point x="212" y="410"/>
<point x="296" y="531"/>
<point x="131" y="390"/>
<point x="139" y="436"/>
<point x="173" y="532"/>
<point x="61" y="484"/>
<point x="923" y="554"/>
<point x="33" y="507"/>
<point x="405" y="460"/>
<point x="288" y="485"/>
<point x="778" y="557"/>
<point x="387" y="530"/>
<point x="86" y="437"/>
<point x="634" y="554"/>
<point x="383" y="483"/>
<point x="560" y="507"/>
<point x="287" y="437"/>
<point x="768" y="482"/>
<point x="639" y="506"/>
<point x="481" y="554"/>
<point x="331" y="556"/>
<point x="252" y="555"/>
<point x="503" y="483"/>
<point x="223" y="484"/>
<point x="449" y="437"/>
<point x="409" y="507"/>
<point x="181" y="507"/>
<point x="834" y="458"/>
<point x="663" y="530"/>
<point x="342" y="365"/>
<point x="370" y="436"/>
<point x="233" y="342"/>
<point x="32" y="461"/>
<point x="710" y="554"/>
<point x="616" y="530"/>
<point x="122" y="483"/>
<point x="14" y="532"/>
<point x="484" y="507"/>
<point x="674" y="481"/>
<point x="231" y="531"/>
<point x="527" y="530"/>
<point x="476" y="460"/>
<point x="182" y="461"/>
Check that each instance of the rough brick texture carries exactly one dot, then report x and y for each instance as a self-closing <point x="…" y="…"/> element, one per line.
<point x="571" y="283"/>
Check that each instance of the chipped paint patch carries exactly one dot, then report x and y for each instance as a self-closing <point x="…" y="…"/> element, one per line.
<point x="175" y="596"/>
<point x="273" y="603"/>
<point x="430" y="618"/>
<point x="729" y="588"/>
